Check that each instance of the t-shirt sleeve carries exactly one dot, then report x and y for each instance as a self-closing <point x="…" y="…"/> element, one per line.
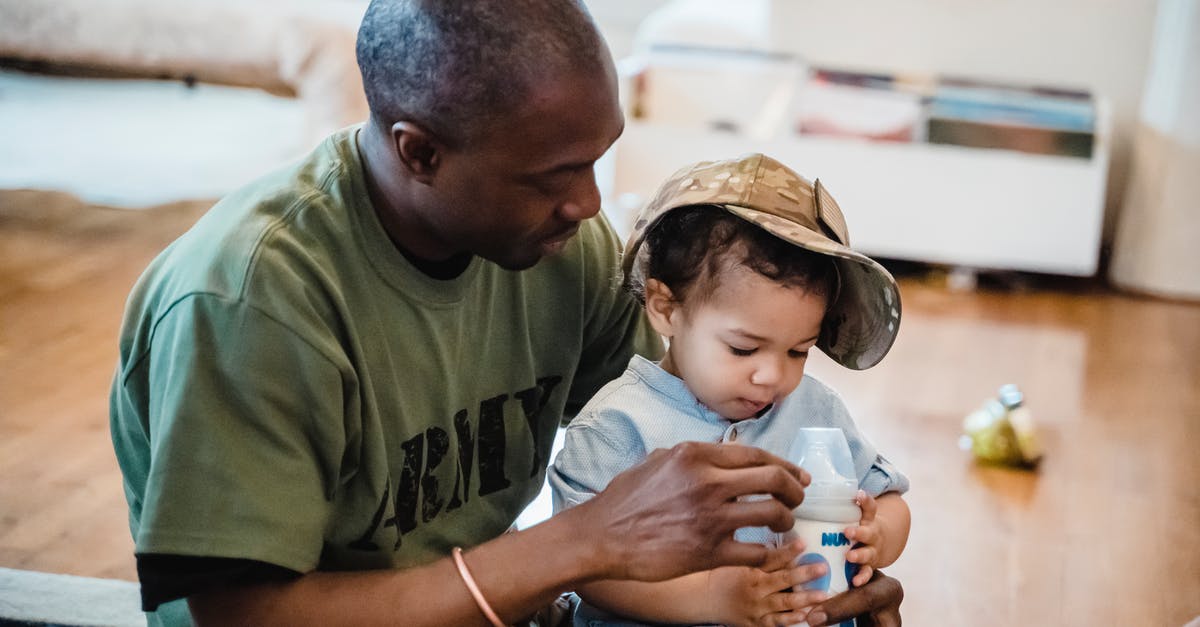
<point x="243" y="426"/>
<point x="617" y="327"/>
<point x="876" y="475"/>
<point x="168" y="577"/>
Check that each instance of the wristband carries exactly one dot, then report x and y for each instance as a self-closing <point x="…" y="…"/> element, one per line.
<point x="473" y="588"/>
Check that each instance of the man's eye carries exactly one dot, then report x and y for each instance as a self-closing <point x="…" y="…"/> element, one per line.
<point x="556" y="182"/>
<point x="741" y="352"/>
<point x="550" y="185"/>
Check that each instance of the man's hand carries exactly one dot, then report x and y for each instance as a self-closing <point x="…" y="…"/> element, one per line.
<point x="676" y="512"/>
<point x="876" y="604"/>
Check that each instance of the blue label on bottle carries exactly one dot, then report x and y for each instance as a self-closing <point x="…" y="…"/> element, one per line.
<point x="821" y="583"/>
<point x="834" y="538"/>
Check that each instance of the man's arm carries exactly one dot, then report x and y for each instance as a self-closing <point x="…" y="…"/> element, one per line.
<point x="432" y="594"/>
<point x="672" y="515"/>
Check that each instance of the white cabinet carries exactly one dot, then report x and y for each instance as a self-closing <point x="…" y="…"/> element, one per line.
<point x="970" y="207"/>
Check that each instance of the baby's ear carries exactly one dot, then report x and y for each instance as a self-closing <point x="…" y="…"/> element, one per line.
<point x="661" y="307"/>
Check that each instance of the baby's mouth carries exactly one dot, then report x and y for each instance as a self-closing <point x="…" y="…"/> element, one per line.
<point x="756" y="407"/>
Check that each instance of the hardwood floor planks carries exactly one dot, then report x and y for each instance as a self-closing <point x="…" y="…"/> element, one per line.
<point x="1107" y="531"/>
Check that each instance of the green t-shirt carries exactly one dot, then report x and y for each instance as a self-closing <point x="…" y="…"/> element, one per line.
<point x="292" y="390"/>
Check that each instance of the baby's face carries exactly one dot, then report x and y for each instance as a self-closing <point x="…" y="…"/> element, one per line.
<point x="745" y="347"/>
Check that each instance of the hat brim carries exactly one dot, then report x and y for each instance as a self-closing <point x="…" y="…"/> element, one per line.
<point x="862" y="323"/>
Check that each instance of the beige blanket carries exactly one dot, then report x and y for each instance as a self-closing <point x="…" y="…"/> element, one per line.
<point x="300" y="47"/>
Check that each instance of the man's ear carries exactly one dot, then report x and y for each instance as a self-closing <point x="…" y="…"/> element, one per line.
<point x="661" y="307"/>
<point x="418" y="150"/>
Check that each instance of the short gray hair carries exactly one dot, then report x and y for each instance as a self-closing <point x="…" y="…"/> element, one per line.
<point x="456" y="67"/>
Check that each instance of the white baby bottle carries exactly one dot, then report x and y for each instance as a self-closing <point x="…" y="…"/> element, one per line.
<point x="828" y="507"/>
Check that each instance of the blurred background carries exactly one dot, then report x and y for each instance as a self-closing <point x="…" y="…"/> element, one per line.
<point x="1030" y="171"/>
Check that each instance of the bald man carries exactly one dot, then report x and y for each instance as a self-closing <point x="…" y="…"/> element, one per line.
<point x="353" y="369"/>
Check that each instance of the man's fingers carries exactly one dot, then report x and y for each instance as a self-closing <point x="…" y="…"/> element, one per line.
<point x="888" y="619"/>
<point x="756" y="513"/>
<point x="727" y="456"/>
<point x="733" y="457"/>
<point x="734" y="553"/>
<point x="771" y="480"/>
<point x="880" y="597"/>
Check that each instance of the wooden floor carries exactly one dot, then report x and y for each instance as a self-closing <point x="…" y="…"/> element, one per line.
<point x="1107" y="532"/>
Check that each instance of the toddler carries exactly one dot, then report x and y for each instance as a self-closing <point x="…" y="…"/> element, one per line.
<point x="744" y="266"/>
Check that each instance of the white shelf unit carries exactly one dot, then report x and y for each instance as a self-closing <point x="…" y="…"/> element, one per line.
<point x="974" y="208"/>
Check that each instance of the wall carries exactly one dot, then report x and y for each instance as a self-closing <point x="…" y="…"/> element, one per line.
<point x="1155" y="244"/>
<point x="1101" y="46"/>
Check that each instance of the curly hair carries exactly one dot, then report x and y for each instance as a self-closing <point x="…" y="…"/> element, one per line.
<point x="691" y="249"/>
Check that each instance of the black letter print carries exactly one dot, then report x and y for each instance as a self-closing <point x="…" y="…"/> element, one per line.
<point x="533" y="401"/>
<point x="439" y="443"/>
<point x="491" y="445"/>
<point x="405" y="519"/>
<point x="466" y="461"/>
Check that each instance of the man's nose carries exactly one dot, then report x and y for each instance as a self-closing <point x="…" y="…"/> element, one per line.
<point x="583" y="200"/>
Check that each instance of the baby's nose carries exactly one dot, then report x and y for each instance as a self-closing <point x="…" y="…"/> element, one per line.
<point x="765" y="374"/>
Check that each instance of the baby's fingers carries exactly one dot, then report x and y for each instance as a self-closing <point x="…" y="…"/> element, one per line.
<point x="867" y="503"/>
<point x="863" y="534"/>
<point x="863" y="576"/>
<point x="782" y="557"/>
<point x="864" y="554"/>
<point x="799" y="575"/>
<point x="798" y="600"/>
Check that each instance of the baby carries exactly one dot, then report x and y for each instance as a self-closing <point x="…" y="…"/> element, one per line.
<point x="744" y="266"/>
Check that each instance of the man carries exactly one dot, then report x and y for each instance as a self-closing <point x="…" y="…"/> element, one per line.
<point x="353" y="366"/>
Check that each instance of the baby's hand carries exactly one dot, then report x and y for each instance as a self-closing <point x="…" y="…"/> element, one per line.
<point x="742" y="596"/>
<point x="866" y="537"/>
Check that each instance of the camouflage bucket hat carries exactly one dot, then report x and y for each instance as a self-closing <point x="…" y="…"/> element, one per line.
<point x="862" y="322"/>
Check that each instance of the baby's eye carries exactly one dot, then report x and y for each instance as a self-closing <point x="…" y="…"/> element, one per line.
<point x="741" y="352"/>
<point x="795" y="354"/>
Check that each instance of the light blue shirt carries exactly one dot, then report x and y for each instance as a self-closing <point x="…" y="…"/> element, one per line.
<point x="647" y="408"/>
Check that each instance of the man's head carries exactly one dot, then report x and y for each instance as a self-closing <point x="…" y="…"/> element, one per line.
<point x="486" y="120"/>
<point x="457" y="68"/>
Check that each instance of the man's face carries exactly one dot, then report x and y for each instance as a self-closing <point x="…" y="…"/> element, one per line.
<point x="745" y="347"/>
<point x="519" y="193"/>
